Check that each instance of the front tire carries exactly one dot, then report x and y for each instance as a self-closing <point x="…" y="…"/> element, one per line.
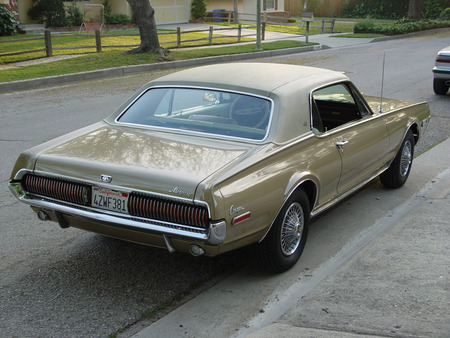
<point x="284" y="243"/>
<point x="398" y="172"/>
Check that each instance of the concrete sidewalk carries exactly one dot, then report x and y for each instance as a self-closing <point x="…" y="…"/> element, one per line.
<point x="391" y="279"/>
<point x="398" y="285"/>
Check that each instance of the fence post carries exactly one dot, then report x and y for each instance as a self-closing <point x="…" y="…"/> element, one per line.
<point x="263" y="33"/>
<point x="322" y="27"/>
<point x="98" y="41"/>
<point x="48" y="42"/>
<point x="239" y="33"/>
<point x="178" y="37"/>
<point x="307" y="31"/>
<point x="332" y="25"/>
<point x="210" y="35"/>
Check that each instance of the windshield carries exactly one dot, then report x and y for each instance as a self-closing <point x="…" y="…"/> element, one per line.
<point x="201" y="110"/>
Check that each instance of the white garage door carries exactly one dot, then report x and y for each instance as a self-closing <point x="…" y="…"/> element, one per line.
<point x="170" y="11"/>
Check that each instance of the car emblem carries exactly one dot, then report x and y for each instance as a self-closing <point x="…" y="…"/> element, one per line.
<point x="106" y="178"/>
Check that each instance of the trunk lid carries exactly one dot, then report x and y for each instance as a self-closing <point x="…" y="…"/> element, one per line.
<point x="162" y="163"/>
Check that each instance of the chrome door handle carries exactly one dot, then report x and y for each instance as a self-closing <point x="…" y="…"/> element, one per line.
<point x="341" y="145"/>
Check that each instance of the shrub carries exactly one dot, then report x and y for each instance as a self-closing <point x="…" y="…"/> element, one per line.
<point x="431" y="9"/>
<point x="388" y="9"/>
<point x="445" y="14"/>
<point x="377" y="9"/>
<point x="8" y="23"/>
<point x="118" y="19"/>
<point x="114" y="19"/>
<point x="365" y="26"/>
<point x="50" y="12"/>
<point x="74" y="16"/>
<point x="405" y="26"/>
<point x="107" y="12"/>
<point x="198" y="9"/>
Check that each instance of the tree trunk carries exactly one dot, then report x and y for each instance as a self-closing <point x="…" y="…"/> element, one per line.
<point x="145" y="20"/>
<point x="235" y="12"/>
<point x="414" y="9"/>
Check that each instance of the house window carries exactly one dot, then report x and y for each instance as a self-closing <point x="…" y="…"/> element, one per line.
<point x="270" y="4"/>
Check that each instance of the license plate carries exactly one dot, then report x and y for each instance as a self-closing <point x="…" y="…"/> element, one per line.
<point x="110" y="199"/>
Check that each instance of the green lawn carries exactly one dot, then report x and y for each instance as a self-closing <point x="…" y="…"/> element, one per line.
<point x="116" y="58"/>
<point x="15" y="44"/>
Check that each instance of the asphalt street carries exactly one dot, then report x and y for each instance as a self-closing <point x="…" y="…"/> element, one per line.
<point x="390" y="279"/>
<point x="375" y="265"/>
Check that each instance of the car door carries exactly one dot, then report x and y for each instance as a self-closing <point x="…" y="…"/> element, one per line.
<point x="360" y="137"/>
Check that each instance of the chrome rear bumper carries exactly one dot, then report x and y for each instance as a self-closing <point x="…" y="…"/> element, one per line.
<point x="214" y="235"/>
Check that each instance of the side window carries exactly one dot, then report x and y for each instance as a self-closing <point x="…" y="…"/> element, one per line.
<point x="332" y="107"/>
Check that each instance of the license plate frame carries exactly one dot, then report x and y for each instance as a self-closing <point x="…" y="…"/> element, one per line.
<point x="109" y="199"/>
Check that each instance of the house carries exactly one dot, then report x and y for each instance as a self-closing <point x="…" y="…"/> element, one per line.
<point x="247" y="8"/>
<point x="169" y="11"/>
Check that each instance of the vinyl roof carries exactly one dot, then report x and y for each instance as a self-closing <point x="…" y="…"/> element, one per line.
<point x="261" y="78"/>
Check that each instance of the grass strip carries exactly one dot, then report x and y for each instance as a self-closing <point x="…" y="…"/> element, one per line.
<point x="71" y="40"/>
<point x="117" y="58"/>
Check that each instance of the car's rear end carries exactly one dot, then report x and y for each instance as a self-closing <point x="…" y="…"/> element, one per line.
<point x="441" y="72"/>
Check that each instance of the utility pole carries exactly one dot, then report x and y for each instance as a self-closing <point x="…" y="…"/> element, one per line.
<point x="258" y="24"/>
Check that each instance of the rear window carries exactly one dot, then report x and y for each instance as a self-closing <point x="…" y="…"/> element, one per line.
<point x="202" y="111"/>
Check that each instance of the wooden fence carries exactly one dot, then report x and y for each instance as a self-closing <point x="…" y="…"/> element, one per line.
<point x="48" y="38"/>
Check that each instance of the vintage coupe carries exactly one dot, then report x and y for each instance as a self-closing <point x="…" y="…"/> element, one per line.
<point x="215" y="158"/>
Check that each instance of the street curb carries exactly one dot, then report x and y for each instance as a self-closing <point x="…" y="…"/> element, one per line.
<point x="409" y="35"/>
<point x="13" y="86"/>
<point x="127" y="70"/>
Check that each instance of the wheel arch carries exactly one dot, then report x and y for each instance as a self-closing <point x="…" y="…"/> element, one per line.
<point x="309" y="186"/>
<point x="415" y="130"/>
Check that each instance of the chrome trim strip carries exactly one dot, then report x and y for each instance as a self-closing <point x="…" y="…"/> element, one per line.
<point x="23" y="172"/>
<point x="328" y="205"/>
<point x="215" y="235"/>
<point x="188" y="132"/>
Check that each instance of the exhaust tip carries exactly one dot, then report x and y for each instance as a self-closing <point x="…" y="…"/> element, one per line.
<point x="43" y="216"/>
<point x="195" y="250"/>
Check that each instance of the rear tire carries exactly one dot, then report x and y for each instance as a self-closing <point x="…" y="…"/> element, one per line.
<point x="439" y="87"/>
<point x="398" y="172"/>
<point x="284" y="243"/>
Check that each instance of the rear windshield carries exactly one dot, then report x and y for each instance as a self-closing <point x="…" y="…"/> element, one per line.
<point x="201" y="110"/>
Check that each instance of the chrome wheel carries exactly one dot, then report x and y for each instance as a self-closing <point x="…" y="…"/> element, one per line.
<point x="397" y="174"/>
<point x="284" y="243"/>
<point x="292" y="229"/>
<point x="406" y="159"/>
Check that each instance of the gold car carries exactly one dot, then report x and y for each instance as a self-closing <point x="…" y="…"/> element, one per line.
<point x="215" y="158"/>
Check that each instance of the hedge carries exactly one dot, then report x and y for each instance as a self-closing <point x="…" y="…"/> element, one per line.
<point x="400" y="27"/>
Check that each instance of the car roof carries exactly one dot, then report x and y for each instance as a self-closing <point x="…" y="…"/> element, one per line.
<point x="289" y="86"/>
<point x="258" y="78"/>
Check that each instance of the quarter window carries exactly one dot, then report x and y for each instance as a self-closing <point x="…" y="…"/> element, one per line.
<point x="332" y="107"/>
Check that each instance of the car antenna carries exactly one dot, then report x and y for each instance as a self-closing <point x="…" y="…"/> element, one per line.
<point x="380" y="110"/>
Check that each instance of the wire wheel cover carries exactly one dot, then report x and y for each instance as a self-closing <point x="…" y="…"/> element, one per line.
<point x="292" y="229"/>
<point x="406" y="159"/>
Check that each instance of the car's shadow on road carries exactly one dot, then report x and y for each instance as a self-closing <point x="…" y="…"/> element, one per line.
<point x="103" y="285"/>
